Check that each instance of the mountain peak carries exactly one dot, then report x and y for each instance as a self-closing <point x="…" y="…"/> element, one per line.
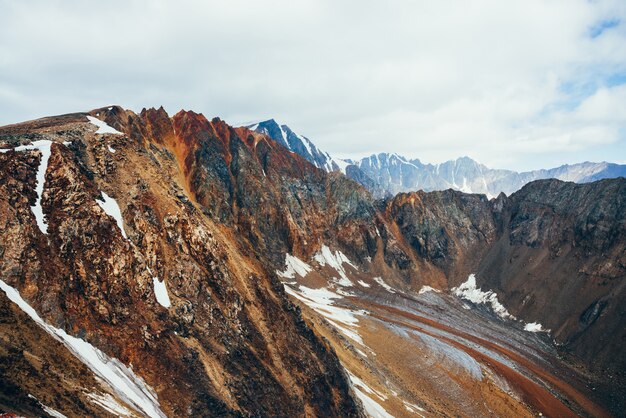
<point x="299" y="144"/>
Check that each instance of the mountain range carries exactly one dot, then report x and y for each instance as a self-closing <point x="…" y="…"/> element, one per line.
<point x="156" y="265"/>
<point x="387" y="174"/>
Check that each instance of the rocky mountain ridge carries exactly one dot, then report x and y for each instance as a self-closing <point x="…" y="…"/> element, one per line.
<point x="386" y="174"/>
<point x="215" y="341"/>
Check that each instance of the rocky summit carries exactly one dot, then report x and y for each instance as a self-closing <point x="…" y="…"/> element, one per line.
<point x="179" y="266"/>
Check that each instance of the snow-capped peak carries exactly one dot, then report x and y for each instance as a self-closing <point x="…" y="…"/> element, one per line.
<point x="299" y="144"/>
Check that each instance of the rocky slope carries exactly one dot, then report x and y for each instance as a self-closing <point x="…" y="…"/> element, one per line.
<point x="561" y="260"/>
<point x="158" y="241"/>
<point x="93" y="272"/>
<point x="549" y="262"/>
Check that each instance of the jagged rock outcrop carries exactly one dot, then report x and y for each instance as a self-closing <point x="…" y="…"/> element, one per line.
<point x="449" y="229"/>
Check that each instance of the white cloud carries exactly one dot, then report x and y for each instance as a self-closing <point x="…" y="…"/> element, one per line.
<point x="433" y="80"/>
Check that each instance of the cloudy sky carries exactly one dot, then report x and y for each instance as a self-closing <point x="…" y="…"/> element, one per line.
<point x="514" y="84"/>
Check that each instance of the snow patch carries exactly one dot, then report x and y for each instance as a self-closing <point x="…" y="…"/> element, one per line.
<point x="362" y="283"/>
<point x="341" y="164"/>
<point x="372" y="408"/>
<point x="284" y="135"/>
<point x="350" y="333"/>
<point x="111" y="208"/>
<point x="335" y="260"/>
<point x="535" y="327"/>
<point x="388" y="288"/>
<point x="111" y="149"/>
<point x="356" y="381"/>
<point x="413" y="408"/>
<point x="469" y="291"/>
<point x="294" y="266"/>
<point x="321" y="301"/>
<point x="52" y="412"/>
<point x="129" y="387"/>
<point x="44" y="147"/>
<point x="160" y="291"/>
<point x="426" y="289"/>
<point x="360" y="352"/>
<point x="109" y="404"/>
<point x="103" y="128"/>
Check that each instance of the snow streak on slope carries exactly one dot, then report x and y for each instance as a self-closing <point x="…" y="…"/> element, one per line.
<point x="294" y="266"/>
<point x="129" y="387"/>
<point x="372" y="408"/>
<point x="284" y="135"/>
<point x="108" y="403"/>
<point x="469" y="291"/>
<point x="335" y="260"/>
<point x="103" y="128"/>
<point x="44" y="147"/>
<point x="160" y="291"/>
<point x="413" y="408"/>
<point x="110" y="206"/>
<point x="322" y="299"/>
<point x="50" y="411"/>
<point x="535" y="327"/>
<point x="385" y="286"/>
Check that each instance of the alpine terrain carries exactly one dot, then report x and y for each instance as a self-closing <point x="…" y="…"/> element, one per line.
<point x="387" y="174"/>
<point x="176" y="266"/>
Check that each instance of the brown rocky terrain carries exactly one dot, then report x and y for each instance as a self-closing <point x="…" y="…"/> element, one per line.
<point x="216" y="351"/>
<point x="210" y="213"/>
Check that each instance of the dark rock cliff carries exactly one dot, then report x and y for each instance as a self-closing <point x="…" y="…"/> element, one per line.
<point x="561" y="260"/>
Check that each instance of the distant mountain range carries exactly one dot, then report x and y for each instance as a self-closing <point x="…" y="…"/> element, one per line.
<point x="387" y="174"/>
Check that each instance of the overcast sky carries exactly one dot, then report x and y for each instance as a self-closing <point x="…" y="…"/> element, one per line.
<point x="514" y="84"/>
